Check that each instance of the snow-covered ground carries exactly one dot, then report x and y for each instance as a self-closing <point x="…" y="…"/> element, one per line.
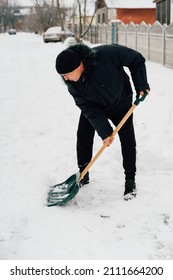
<point x="38" y="122"/>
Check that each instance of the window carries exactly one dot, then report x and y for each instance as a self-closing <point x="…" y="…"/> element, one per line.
<point x="163" y="11"/>
<point x="158" y="10"/>
<point x="168" y="11"/>
<point x="103" y="18"/>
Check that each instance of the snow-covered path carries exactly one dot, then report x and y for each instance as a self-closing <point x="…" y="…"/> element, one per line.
<point x="38" y="121"/>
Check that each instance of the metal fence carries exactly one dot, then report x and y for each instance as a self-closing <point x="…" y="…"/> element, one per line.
<point x="154" y="41"/>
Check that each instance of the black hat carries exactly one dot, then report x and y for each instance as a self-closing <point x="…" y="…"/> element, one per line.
<point x="67" y="61"/>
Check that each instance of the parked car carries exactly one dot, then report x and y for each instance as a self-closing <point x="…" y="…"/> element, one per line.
<point x="12" y="31"/>
<point x="55" y="34"/>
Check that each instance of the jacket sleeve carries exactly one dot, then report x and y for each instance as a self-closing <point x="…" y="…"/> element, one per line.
<point x="94" y="113"/>
<point x="135" y="62"/>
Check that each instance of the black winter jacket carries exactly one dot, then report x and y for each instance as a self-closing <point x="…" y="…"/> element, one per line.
<point x="104" y="88"/>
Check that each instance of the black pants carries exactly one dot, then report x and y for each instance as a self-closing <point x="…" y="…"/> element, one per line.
<point x="85" y="136"/>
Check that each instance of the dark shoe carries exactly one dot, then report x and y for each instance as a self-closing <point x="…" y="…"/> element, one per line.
<point x="85" y="180"/>
<point x="130" y="189"/>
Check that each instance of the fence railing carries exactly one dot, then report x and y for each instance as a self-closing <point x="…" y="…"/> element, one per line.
<point x="154" y="41"/>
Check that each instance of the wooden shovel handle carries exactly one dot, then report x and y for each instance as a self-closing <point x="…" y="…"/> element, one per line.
<point x="127" y="115"/>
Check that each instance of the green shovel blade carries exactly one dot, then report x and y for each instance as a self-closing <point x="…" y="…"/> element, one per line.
<point x="60" y="194"/>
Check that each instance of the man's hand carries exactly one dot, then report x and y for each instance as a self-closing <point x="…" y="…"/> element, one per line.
<point x="108" y="141"/>
<point x="143" y="92"/>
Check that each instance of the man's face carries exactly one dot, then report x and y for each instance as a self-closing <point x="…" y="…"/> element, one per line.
<point x="75" y="74"/>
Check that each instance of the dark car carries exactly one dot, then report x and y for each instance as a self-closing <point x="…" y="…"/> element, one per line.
<point x="12" y="31"/>
<point x="55" y="34"/>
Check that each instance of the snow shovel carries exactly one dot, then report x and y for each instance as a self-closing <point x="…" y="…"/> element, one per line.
<point x="60" y="194"/>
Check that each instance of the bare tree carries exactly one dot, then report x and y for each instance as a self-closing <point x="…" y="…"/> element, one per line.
<point x="89" y="26"/>
<point x="59" y="14"/>
<point x="8" y="12"/>
<point x="46" y="14"/>
<point x="80" y="18"/>
<point x="83" y="17"/>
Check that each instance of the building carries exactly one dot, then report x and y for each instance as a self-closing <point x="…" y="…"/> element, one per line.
<point x="87" y="12"/>
<point x="164" y="11"/>
<point x="126" y="11"/>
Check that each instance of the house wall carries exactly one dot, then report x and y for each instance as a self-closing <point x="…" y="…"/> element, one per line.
<point x="105" y="15"/>
<point x="136" y="15"/>
<point x="102" y="15"/>
<point x="88" y="20"/>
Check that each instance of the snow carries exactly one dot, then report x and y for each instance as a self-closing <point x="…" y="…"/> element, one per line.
<point x="32" y="2"/>
<point x="110" y="3"/>
<point x="130" y="4"/>
<point x="23" y="2"/>
<point x="38" y="122"/>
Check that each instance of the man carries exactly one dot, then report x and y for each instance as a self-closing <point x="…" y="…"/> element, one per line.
<point x="96" y="79"/>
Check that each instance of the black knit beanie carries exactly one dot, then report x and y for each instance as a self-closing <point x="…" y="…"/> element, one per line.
<point x="67" y="61"/>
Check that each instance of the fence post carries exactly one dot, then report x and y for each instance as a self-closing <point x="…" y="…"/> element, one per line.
<point x="163" y="47"/>
<point x="115" y="24"/>
<point x="148" y="42"/>
<point x="126" y="35"/>
<point x="136" y="37"/>
<point x="106" y="30"/>
<point x="95" y="28"/>
<point x="113" y="33"/>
